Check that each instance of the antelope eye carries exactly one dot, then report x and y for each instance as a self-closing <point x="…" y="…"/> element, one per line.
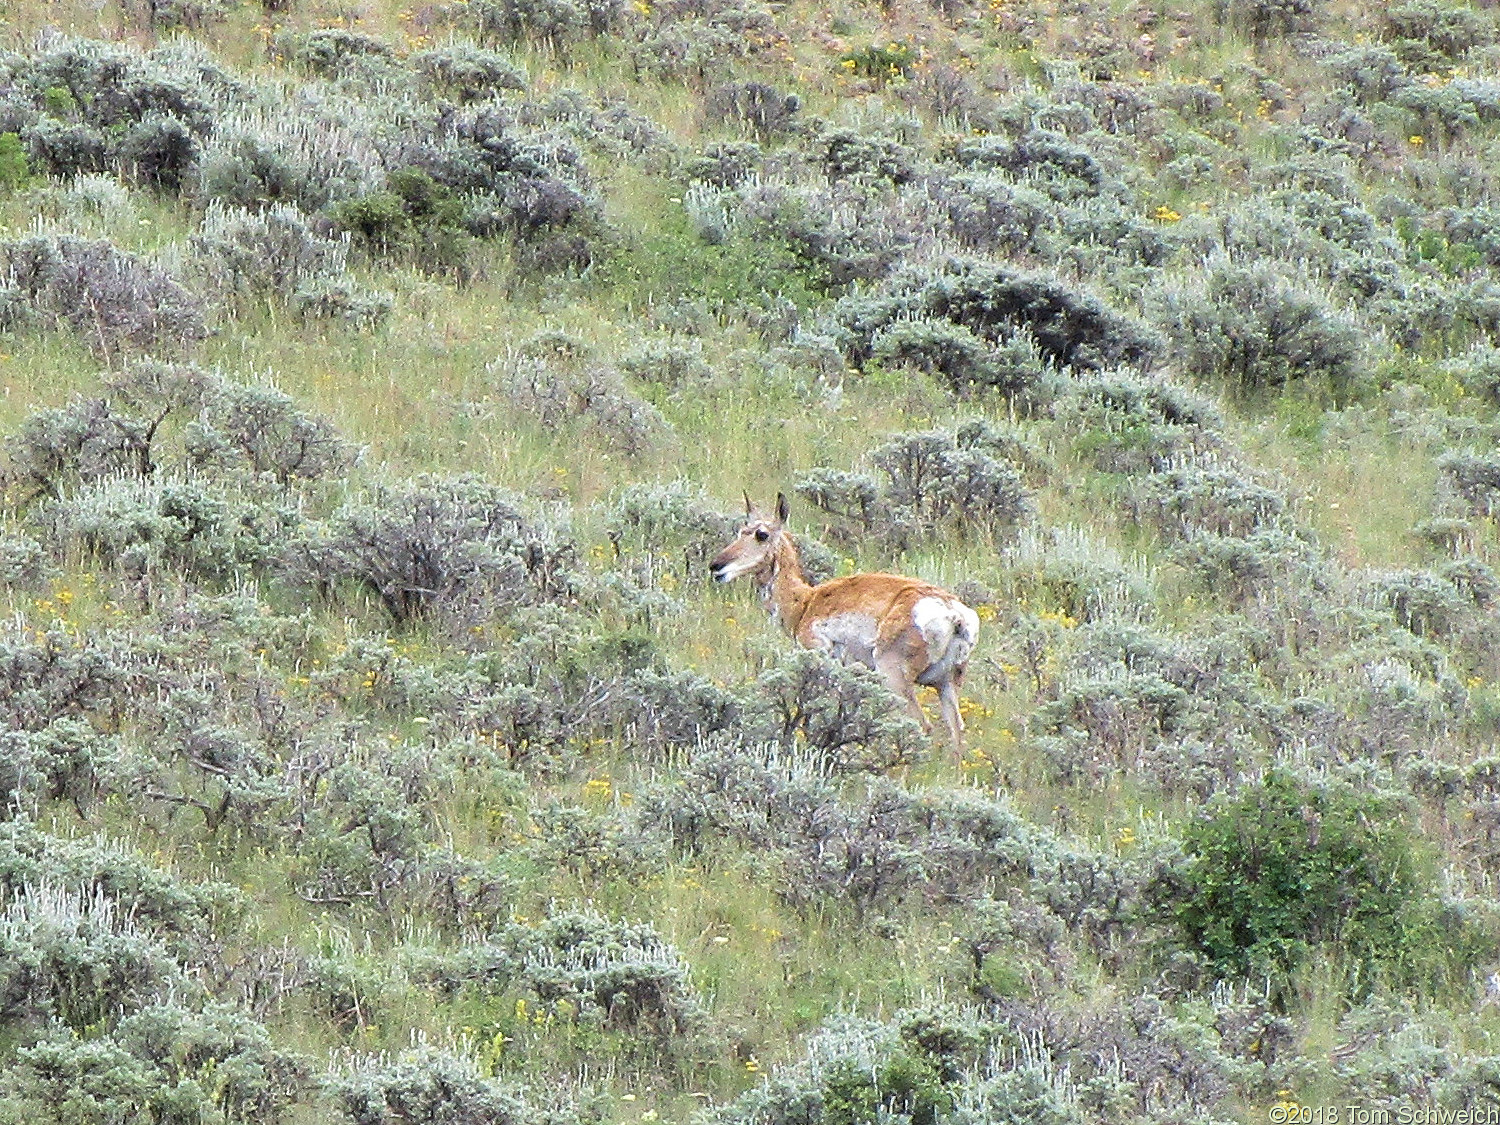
<point x="761" y="535"/>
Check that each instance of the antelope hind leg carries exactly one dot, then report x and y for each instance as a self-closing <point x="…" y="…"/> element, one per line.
<point x="948" y="696"/>
<point x="897" y="675"/>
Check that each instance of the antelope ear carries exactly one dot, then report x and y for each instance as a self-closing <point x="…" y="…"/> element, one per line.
<point x="749" y="507"/>
<point x="781" y="507"/>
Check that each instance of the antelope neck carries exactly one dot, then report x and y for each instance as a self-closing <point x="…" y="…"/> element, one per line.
<point x="785" y="589"/>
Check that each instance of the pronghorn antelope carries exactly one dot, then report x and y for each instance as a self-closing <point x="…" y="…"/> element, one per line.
<point x="910" y="632"/>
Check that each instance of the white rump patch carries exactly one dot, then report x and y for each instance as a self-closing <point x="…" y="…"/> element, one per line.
<point x="950" y="629"/>
<point x="849" y="637"/>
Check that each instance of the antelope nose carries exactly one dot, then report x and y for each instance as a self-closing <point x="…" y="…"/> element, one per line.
<point x="716" y="568"/>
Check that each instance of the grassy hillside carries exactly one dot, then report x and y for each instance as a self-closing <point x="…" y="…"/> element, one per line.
<point x="377" y="381"/>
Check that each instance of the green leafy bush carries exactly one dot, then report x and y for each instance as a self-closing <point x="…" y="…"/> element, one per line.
<point x="14" y="168"/>
<point x="881" y="62"/>
<point x="1285" y="866"/>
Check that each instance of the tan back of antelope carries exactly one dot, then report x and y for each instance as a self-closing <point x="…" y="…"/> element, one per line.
<point x="911" y="632"/>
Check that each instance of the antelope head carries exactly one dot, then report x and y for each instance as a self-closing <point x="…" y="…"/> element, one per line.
<point x="753" y="550"/>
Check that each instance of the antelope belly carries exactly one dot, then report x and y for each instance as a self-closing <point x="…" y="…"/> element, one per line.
<point x="850" y="637"/>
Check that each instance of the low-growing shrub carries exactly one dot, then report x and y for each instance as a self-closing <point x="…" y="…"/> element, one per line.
<point x="1070" y="327"/>
<point x="844" y="714"/>
<point x="1218" y="501"/>
<point x="65" y="150"/>
<point x="426" y="1086"/>
<point x="1475" y="478"/>
<point x="675" y="366"/>
<point x="144" y="526"/>
<point x="554" y="23"/>
<point x="76" y="960"/>
<point x="621" y="974"/>
<point x="262" y="430"/>
<point x="412" y="216"/>
<point x="848" y="154"/>
<point x="554" y="394"/>
<point x="669" y="522"/>
<point x="257" y="158"/>
<point x="24" y="565"/>
<point x="332" y="50"/>
<point x="725" y="165"/>
<point x="1447" y="32"/>
<point x="468" y="73"/>
<point x="763" y="108"/>
<point x="1252" y="330"/>
<point x="49" y="677"/>
<point x="190" y="917"/>
<point x="940" y="348"/>
<point x="1047" y="161"/>
<point x="271" y="252"/>
<point x="1285" y="865"/>
<point x="67" y="760"/>
<point x="342" y="300"/>
<point x="935" y="478"/>
<point x="15" y="169"/>
<point x="1269" y="19"/>
<point x="987" y="212"/>
<point x="82" y="442"/>
<point x="110" y="298"/>
<point x="453" y="546"/>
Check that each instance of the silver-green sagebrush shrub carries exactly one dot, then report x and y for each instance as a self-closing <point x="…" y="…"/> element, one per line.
<point x="112" y="299"/>
<point x="184" y="525"/>
<point x="66" y="760"/>
<point x="166" y="1063"/>
<point x="468" y="73"/>
<point x="1252" y="330"/>
<point x="53" y="676"/>
<point x="941" y="477"/>
<point x="270" y="252"/>
<point x="1044" y="160"/>
<point x="669" y="524"/>
<point x="339" y="299"/>
<point x="74" y="959"/>
<point x="699" y="41"/>
<point x="843" y="715"/>
<point x="332" y="50"/>
<point x="173" y="416"/>
<point x="445" y="547"/>
<point x="190" y="917"/>
<point x="1474" y="478"/>
<point x="1207" y="498"/>
<point x="257" y="158"/>
<point x="260" y="429"/>
<point x="963" y="480"/>
<point x="761" y="108"/>
<point x="1071" y="327"/>
<point x="988" y="212"/>
<point x="428" y="1086"/>
<point x="618" y="974"/>
<point x="557" y="393"/>
<point x="24" y="565"/>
